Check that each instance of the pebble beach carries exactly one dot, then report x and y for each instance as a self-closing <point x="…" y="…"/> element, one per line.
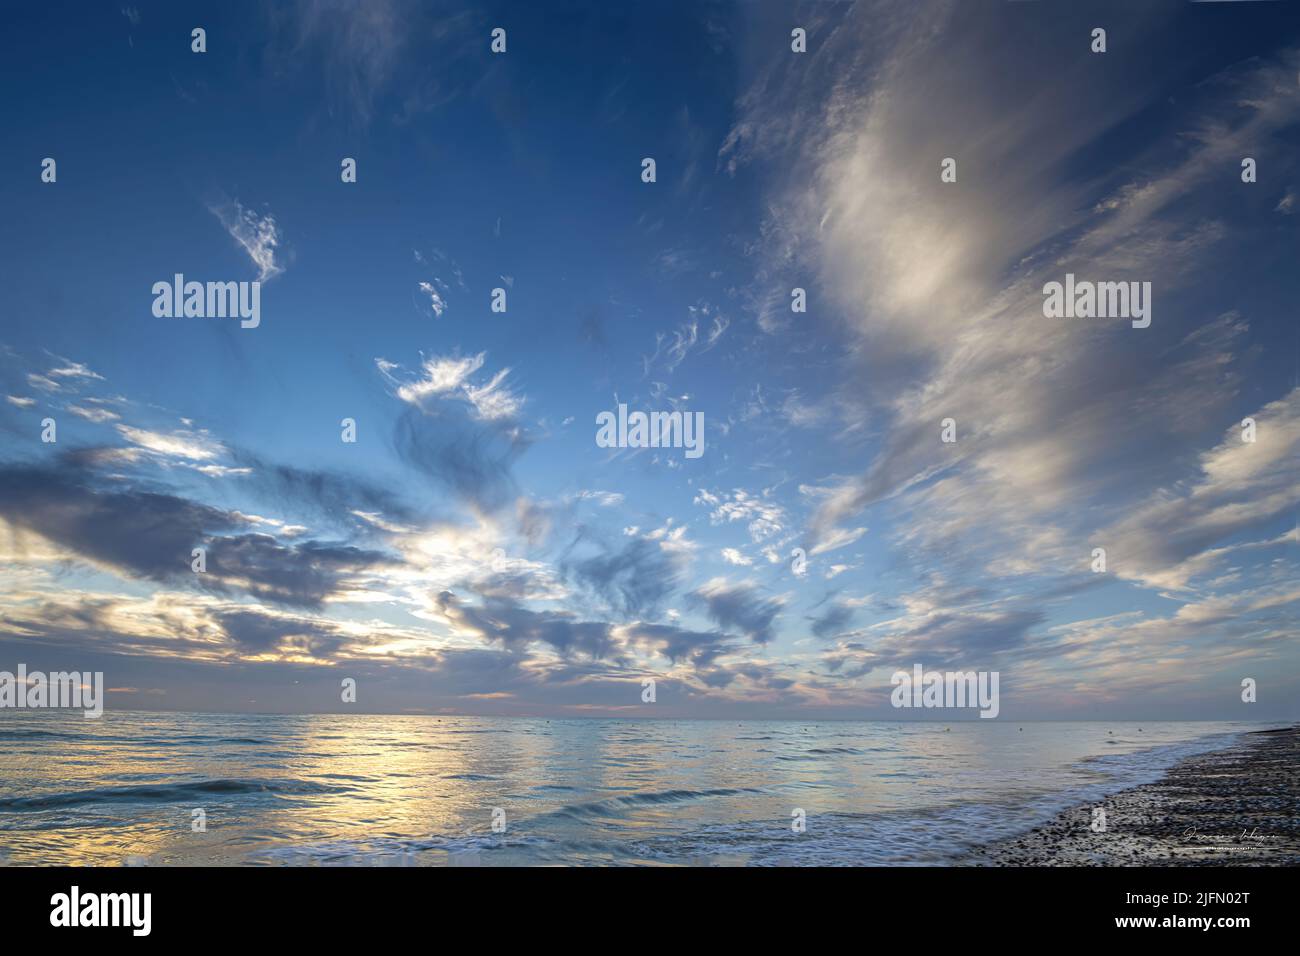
<point x="1234" y="807"/>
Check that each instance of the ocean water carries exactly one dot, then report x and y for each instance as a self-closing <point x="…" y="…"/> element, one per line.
<point x="423" y="791"/>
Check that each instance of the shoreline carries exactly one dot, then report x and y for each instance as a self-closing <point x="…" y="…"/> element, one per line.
<point x="1239" y="806"/>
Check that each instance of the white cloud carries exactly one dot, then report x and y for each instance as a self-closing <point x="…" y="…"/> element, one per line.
<point x="764" y="517"/>
<point x="606" y="499"/>
<point x="436" y="302"/>
<point x="494" y="400"/>
<point x="941" y="285"/>
<point x="450" y="377"/>
<point x="220" y="471"/>
<point x="188" y="445"/>
<point x="74" y="370"/>
<point x="1241" y="486"/>
<point x="672" y="539"/>
<point x="838" y="538"/>
<point x="96" y="415"/>
<point x="259" y="236"/>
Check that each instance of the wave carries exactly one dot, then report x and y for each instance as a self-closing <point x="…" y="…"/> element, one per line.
<point x="122" y="741"/>
<point x="816" y="752"/>
<point x="163" y="793"/>
<point x="654" y="798"/>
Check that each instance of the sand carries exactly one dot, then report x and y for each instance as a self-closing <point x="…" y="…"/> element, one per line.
<point x="1233" y="807"/>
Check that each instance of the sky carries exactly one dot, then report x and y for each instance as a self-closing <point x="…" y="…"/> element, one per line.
<point x="475" y="550"/>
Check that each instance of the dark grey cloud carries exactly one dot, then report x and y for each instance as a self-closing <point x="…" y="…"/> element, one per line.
<point x="301" y="574"/>
<point x="633" y="580"/>
<point x="849" y="660"/>
<point x="499" y="619"/>
<point x="765" y="675"/>
<point x="961" y="637"/>
<point x="325" y="494"/>
<point x="954" y="635"/>
<point x="151" y="534"/>
<point x="740" y="607"/>
<point x="470" y="458"/>
<point x="717" y="677"/>
<point x="255" y="631"/>
<point x="678" y="644"/>
<point x="832" y="621"/>
<point x="145" y="533"/>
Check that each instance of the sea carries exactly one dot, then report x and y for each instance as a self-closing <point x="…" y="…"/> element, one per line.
<point x="153" y="789"/>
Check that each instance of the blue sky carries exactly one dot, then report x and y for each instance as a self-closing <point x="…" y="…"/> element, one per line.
<point x="475" y="551"/>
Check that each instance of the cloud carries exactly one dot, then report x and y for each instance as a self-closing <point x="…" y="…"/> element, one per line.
<point x="449" y="377"/>
<point x="301" y="574"/>
<point x="633" y="578"/>
<point x="1240" y="487"/>
<point x="97" y="415"/>
<point x="474" y="460"/>
<point x="838" y="538"/>
<point x="151" y="535"/>
<point x="358" y="47"/>
<point x="606" y="499"/>
<point x="700" y="648"/>
<point x="259" y="236"/>
<point x="940" y="283"/>
<point x="256" y="631"/>
<point x="764" y="517"/>
<point x="329" y="497"/>
<point x="464" y="434"/>
<point x="739" y="607"/>
<point x="74" y="370"/>
<point x="951" y="637"/>
<point x="495" y="594"/>
<point x="188" y="445"/>
<point x="436" y="302"/>
<point x="941" y="627"/>
<point x="672" y="348"/>
<point x="505" y="621"/>
<point x="833" y="620"/>
<point x="142" y="532"/>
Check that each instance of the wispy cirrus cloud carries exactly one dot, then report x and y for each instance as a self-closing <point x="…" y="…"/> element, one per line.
<point x="451" y="377"/>
<point x="95" y="414"/>
<point x="257" y="235"/>
<point x="941" y="283"/>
